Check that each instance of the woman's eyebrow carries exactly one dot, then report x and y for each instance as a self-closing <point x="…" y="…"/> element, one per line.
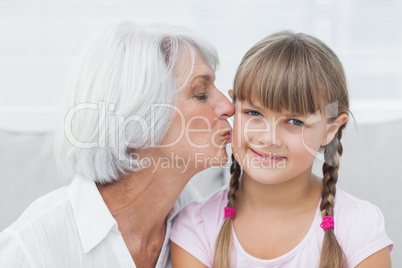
<point x="205" y="77"/>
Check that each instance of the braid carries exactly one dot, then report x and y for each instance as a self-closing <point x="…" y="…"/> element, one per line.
<point x="234" y="182"/>
<point x="224" y="239"/>
<point x="331" y="254"/>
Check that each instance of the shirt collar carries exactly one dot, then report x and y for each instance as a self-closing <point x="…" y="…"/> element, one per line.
<point x="93" y="219"/>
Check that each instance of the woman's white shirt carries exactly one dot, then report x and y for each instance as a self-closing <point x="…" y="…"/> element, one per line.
<point x="72" y="227"/>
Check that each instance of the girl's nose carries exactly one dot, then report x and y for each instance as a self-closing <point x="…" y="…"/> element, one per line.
<point x="269" y="136"/>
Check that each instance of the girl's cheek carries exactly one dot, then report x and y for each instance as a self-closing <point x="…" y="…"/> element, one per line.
<point x="311" y="143"/>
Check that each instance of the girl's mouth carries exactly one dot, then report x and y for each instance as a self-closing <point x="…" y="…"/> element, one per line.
<point x="268" y="157"/>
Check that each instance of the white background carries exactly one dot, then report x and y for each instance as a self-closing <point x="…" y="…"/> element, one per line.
<point x="40" y="39"/>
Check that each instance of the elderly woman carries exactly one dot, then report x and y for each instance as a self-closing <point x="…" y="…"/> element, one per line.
<point x="142" y="117"/>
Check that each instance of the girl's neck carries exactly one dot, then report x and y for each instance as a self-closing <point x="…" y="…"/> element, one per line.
<point x="274" y="199"/>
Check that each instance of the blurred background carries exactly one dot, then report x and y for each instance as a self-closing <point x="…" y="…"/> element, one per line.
<point x="40" y="39"/>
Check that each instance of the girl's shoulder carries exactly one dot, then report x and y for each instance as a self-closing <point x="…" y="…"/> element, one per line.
<point x="352" y="206"/>
<point x="198" y="224"/>
<point x="359" y="227"/>
<point x="219" y="197"/>
<point x="210" y="209"/>
<point x="354" y="214"/>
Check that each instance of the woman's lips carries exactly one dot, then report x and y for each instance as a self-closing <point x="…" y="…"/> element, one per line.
<point x="227" y="135"/>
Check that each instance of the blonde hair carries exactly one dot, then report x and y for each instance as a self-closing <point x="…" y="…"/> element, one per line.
<point x="299" y="73"/>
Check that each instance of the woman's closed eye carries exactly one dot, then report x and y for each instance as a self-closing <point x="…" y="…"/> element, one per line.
<point x="296" y="122"/>
<point x="201" y="97"/>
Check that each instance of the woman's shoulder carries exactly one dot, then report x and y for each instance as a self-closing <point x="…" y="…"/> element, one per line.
<point x="40" y="209"/>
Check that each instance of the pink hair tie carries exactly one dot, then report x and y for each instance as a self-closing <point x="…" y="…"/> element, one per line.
<point x="229" y="212"/>
<point x="327" y="222"/>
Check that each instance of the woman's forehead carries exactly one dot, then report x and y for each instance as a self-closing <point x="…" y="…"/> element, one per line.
<point x="192" y="67"/>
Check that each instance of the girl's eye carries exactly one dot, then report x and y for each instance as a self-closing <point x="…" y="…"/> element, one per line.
<point x="201" y="97"/>
<point x="253" y="113"/>
<point x="296" y="122"/>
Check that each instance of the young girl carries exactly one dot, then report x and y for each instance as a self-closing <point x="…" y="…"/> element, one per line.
<point x="291" y="104"/>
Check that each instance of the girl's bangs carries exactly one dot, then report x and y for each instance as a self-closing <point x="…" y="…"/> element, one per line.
<point x="282" y="79"/>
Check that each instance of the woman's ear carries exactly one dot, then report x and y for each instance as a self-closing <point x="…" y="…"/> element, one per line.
<point x="333" y="127"/>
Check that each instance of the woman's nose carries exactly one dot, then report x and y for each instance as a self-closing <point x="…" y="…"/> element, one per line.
<point x="224" y="107"/>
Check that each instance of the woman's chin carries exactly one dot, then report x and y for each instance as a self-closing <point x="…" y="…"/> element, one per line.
<point x="220" y="159"/>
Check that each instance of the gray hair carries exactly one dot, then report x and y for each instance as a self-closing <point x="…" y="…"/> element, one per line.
<point x="119" y="97"/>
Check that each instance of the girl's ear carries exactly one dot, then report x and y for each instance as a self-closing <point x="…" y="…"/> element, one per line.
<point x="332" y="128"/>
<point x="231" y="93"/>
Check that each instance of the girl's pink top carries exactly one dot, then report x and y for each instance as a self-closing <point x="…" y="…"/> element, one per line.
<point x="359" y="228"/>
